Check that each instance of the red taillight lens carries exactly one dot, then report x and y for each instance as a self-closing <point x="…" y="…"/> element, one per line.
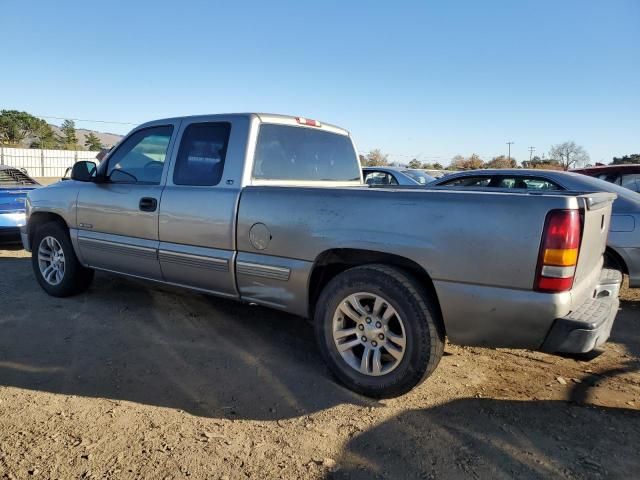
<point x="559" y="251"/>
<point x="308" y="122"/>
<point x="562" y="230"/>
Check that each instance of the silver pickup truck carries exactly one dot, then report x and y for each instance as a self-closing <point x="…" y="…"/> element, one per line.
<point x="272" y="210"/>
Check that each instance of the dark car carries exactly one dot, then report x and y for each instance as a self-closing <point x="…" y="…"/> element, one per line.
<point x="627" y="176"/>
<point x="14" y="186"/>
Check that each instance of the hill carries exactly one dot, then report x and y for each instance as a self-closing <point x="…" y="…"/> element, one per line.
<point x="107" y="139"/>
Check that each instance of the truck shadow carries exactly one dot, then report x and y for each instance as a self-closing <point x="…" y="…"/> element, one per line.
<point x="489" y="438"/>
<point x="485" y="438"/>
<point x="130" y="340"/>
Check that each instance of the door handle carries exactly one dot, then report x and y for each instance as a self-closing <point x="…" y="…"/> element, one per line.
<point x="148" y="204"/>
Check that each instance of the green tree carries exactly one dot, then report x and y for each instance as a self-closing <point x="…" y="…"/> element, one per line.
<point x="68" y="139"/>
<point x="627" y="159"/>
<point x="43" y="136"/>
<point x="16" y="126"/>
<point x="92" y="142"/>
<point x="438" y="166"/>
<point x="569" y="155"/>
<point x="502" y="162"/>
<point x="414" y="164"/>
<point x="375" y="158"/>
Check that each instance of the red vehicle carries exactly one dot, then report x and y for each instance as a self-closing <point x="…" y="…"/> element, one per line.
<point x="627" y="176"/>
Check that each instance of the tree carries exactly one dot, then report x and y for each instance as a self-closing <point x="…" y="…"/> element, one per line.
<point x="502" y="162"/>
<point x="68" y="139"/>
<point x="569" y="155"/>
<point x="43" y="136"/>
<point x="472" y="163"/>
<point x="458" y="163"/>
<point x="414" y="164"/>
<point x="92" y="142"/>
<point x="438" y="166"/>
<point x="375" y="158"/>
<point x="627" y="159"/>
<point x="16" y="126"/>
<point x="542" y="163"/>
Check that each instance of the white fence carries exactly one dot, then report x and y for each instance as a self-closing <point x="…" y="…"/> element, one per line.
<point x="43" y="163"/>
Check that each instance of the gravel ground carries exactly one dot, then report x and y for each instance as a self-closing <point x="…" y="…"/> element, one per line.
<point x="131" y="380"/>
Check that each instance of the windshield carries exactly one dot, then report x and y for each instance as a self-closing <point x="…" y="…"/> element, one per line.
<point x="13" y="176"/>
<point x="298" y="153"/>
<point x="419" y="176"/>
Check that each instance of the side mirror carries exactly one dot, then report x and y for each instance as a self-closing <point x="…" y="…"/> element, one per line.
<point x="83" y="171"/>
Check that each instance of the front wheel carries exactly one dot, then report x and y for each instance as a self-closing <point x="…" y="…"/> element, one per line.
<point x="55" y="264"/>
<point x="378" y="330"/>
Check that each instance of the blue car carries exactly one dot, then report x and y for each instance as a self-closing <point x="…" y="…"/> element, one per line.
<point x="14" y="186"/>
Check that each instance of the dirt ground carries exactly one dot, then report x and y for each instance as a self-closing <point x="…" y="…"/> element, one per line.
<point x="131" y="380"/>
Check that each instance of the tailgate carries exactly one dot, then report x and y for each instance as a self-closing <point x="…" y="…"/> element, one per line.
<point x="596" y="215"/>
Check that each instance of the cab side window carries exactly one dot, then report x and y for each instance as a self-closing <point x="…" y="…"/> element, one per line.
<point x="202" y="153"/>
<point x="141" y="157"/>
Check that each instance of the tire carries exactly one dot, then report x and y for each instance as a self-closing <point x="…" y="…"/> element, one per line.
<point x="407" y="304"/>
<point x="74" y="278"/>
<point x="613" y="262"/>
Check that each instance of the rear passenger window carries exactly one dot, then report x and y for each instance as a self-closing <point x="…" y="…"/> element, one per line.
<point x="483" y="181"/>
<point x="529" y="183"/>
<point x="201" y="156"/>
<point x="306" y="154"/>
<point x="631" y="181"/>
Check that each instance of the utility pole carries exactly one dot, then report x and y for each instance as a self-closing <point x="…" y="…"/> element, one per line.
<point x="510" y="143"/>
<point x="531" y="150"/>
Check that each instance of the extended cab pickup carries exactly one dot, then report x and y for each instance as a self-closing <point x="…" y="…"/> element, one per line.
<point x="270" y="209"/>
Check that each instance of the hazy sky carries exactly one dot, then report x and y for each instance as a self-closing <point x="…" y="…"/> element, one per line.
<point x="425" y="79"/>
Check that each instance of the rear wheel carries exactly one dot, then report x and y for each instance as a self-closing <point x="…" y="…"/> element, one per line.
<point x="55" y="264"/>
<point x="378" y="330"/>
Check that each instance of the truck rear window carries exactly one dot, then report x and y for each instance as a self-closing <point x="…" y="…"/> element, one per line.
<point x="297" y="153"/>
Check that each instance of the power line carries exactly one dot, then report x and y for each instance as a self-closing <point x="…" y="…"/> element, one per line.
<point x="84" y="120"/>
<point x="531" y="150"/>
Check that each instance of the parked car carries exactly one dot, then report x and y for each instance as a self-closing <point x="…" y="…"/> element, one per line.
<point x="14" y="186"/>
<point x="272" y="210"/>
<point x="623" y="248"/>
<point x="395" y="176"/>
<point x="627" y="176"/>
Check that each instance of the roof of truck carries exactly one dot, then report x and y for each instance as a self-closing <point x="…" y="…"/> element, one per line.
<point x="264" y="117"/>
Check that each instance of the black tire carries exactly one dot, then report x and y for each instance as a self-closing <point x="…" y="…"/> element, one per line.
<point x="76" y="278"/>
<point x="612" y="261"/>
<point x="424" y="330"/>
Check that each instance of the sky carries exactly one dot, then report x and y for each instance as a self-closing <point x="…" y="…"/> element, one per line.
<point x="416" y="79"/>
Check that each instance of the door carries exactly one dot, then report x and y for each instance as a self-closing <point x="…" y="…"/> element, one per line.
<point x="198" y="207"/>
<point x="118" y="219"/>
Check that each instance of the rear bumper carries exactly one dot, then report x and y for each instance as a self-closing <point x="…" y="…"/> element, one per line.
<point x="9" y="235"/>
<point x="588" y="326"/>
<point x="12" y="220"/>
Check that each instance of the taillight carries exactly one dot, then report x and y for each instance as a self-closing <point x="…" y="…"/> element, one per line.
<point x="558" y="251"/>
<point x="308" y="122"/>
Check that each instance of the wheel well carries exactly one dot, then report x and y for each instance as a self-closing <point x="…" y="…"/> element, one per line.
<point x="332" y="262"/>
<point x="615" y="258"/>
<point x="40" y="218"/>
